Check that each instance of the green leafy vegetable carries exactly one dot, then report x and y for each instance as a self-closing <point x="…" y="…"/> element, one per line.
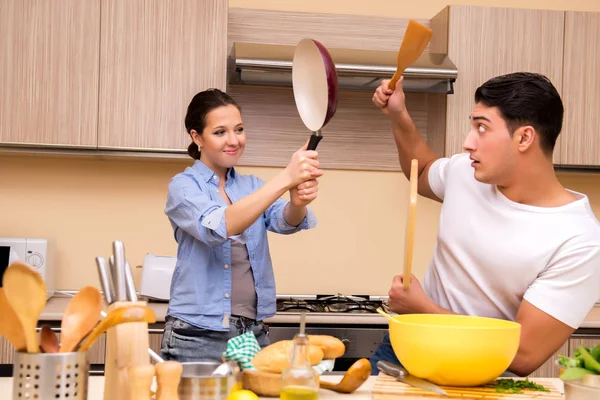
<point x="517" y="386"/>
<point x="583" y="362"/>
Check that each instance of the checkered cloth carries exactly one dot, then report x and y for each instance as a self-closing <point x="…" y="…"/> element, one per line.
<point x="243" y="348"/>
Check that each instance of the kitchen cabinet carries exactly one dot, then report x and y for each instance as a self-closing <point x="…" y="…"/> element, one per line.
<point x="96" y="354"/>
<point x="486" y="41"/>
<point x="587" y="341"/>
<point x="581" y="90"/>
<point x="154" y="56"/>
<point x="49" y="72"/>
<point x="549" y="369"/>
<point x="155" y="337"/>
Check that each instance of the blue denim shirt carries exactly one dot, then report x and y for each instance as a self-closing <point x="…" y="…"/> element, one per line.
<point x="201" y="283"/>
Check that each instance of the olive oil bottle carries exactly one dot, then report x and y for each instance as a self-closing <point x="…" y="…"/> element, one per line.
<point x="299" y="381"/>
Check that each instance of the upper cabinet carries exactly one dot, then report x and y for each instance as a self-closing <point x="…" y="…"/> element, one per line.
<point x="49" y="72"/>
<point x="580" y="141"/>
<point x="484" y="42"/>
<point x="155" y="55"/>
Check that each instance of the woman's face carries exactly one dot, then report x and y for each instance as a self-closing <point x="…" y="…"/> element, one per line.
<point x="223" y="140"/>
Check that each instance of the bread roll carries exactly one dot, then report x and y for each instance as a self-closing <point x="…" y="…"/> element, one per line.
<point x="277" y="356"/>
<point x="332" y="347"/>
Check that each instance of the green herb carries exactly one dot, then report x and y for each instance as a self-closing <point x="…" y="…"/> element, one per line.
<point x="517" y="386"/>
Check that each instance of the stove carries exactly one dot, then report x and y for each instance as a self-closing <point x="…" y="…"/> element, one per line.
<point x="331" y="304"/>
<point x="353" y="319"/>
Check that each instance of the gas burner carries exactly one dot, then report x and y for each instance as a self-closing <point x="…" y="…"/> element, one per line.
<point x="332" y="303"/>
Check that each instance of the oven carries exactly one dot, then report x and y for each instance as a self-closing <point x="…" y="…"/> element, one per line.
<point x="352" y="319"/>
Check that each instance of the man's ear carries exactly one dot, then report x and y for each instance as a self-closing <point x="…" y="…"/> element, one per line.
<point x="524" y="137"/>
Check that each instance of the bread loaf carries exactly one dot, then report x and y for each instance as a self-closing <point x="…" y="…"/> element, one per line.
<point x="332" y="347"/>
<point x="277" y="356"/>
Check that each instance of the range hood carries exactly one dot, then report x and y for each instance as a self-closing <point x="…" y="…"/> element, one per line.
<point x="267" y="64"/>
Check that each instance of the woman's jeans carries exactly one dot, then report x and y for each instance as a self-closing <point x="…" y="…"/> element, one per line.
<point x="184" y="342"/>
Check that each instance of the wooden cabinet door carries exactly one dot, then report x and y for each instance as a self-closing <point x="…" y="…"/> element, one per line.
<point x="484" y="42"/>
<point x="580" y="141"/>
<point x="155" y="55"/>
<point x="49" y="72"/>
<point x="549" y="369"/>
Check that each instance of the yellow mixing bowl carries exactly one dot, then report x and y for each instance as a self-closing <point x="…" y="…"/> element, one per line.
<point x="454" y="350"/>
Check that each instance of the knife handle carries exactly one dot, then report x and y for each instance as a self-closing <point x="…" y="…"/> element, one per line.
<point x="390" y="369"/>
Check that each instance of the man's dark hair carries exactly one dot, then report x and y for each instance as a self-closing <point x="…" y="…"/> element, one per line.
<point x="525" y="98"/>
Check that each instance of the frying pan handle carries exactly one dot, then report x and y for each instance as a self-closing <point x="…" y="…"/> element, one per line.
<point x="315" y="138"/>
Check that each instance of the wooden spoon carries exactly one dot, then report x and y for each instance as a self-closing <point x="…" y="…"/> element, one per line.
<point x="48" y="340"/>
<point x="10" y="325"/>
<point x="388" y="316"/>
<point x="26" y="293"/>
<point x="168" y="375"/>
<point x="413" y="43"/>
<point x="140" y="381"/>
<point x="356" y="375"/>
<point x="410" y="223"/>
<point x="81" y="315"/>
<point x="118" y="316"/>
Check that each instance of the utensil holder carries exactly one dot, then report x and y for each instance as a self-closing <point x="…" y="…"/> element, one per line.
<point x="126" y="346"/>
<point x="55" y="376"/>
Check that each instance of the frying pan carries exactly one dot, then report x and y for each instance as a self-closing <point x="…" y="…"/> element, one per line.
<point x="315" y="84"/>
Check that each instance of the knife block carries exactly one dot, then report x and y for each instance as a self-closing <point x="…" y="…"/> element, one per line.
<point x="126" y="346"/>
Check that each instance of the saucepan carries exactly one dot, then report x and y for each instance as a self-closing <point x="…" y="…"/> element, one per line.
<point x="198" y="381"/>
<point x="315" y="84"/>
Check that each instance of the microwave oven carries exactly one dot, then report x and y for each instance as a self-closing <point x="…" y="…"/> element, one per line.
<point x="33" y="252"/>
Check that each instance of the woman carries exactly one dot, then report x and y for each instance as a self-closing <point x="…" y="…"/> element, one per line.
<point x="223" y="284"/>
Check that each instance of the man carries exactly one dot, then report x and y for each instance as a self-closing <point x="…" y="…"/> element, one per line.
<point x="513" y="243"/>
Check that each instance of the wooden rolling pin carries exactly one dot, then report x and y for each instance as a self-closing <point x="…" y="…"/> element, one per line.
<point x="168" y="375"/>
<point x="140" y="381"/>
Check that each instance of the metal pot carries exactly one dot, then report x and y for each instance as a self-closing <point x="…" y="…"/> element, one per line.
<point x="198" y="384"/>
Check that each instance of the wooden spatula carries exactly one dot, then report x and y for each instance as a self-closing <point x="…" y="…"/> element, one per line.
<point x="115" y="317"/>
<point x="410" y="223"/>
<point x="81" y="316"/>
<point x="414" y="42"/>
<point x="26" y="293"/>
<point x="10" y="325"/>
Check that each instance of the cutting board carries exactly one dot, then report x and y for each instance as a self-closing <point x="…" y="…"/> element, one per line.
<point x="387" y="388"/>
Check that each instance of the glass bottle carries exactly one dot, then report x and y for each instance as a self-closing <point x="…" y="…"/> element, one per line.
<point x="299" y="381"/>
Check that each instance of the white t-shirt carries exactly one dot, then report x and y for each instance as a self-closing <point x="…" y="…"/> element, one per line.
<point x="492" y="252"/>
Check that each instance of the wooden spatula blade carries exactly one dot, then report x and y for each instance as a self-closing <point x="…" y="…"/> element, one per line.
<point x="415" y="39"/>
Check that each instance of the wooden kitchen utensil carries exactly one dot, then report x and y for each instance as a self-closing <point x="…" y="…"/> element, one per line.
<point x="357" y="374"/>
<point x="386" y="387"/>
<point x="140" y="381"/>
<point x="48" y="340"/>
<point x="168" y="375"/>
<point x="125" y="314"/>
<point x="410" y="222"/>
<point x="26" y="293"/>
<point x="126" y="345"/>
<point x="80" y="317"/>
<point x="415" y="40"/>
<point x="10" y="325"/>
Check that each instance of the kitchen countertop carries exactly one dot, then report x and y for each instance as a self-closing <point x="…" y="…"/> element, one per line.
<point x="96" y="389"/>
<point x="57" y="304"/>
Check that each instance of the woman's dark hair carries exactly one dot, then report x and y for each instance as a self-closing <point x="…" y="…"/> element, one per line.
<point x="525" y="98"/>
<point x="203" y="103"/>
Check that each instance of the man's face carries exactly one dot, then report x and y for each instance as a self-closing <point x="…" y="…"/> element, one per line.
<point x="492" y="149"/>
